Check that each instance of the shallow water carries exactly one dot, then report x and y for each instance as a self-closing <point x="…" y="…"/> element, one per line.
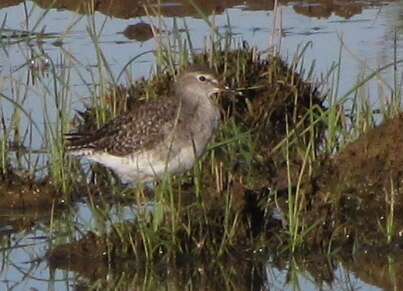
<point x="364" y="32"/>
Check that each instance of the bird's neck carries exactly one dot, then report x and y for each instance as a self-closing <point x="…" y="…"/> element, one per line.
<point x="193" y="98"/>
<point x="199" y="106"/>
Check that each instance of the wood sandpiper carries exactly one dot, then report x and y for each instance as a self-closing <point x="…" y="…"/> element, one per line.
<point x="158" y="137"/>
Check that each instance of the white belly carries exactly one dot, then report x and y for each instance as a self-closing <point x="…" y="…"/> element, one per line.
<point x="146" y="166"/>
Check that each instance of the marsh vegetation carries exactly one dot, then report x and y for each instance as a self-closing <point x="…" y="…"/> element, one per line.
<point x="299" y="176"/>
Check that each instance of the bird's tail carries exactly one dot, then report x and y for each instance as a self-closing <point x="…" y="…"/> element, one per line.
<point x="78" y="144"/>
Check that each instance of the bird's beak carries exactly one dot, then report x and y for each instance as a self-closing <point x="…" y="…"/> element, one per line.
<point x="229" y="90"/>
<point x="220" y="89"/>
<point x="216" y="89"/>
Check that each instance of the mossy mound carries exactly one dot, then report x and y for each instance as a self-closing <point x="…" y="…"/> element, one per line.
<point x="222" y="204"/>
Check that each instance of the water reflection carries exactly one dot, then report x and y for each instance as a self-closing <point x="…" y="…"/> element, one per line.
<point x="379" y="266"/>
<point x="250" y="272"/>
<point x="180" y="8"/>
<point x="8" y="3"/>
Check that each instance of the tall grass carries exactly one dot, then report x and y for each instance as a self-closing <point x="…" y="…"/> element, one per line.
<point x="57" y="126"/>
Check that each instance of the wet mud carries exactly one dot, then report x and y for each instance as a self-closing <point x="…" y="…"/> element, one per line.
<point x="140" y="31"/>
<point x="23" y="192"/>
<point x="358" y="189"/>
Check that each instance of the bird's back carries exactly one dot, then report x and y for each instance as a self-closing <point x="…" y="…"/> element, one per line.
<point x="138" y="129"/>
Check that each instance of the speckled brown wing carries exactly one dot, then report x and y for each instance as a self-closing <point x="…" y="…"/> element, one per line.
<point x="138" y="129"/>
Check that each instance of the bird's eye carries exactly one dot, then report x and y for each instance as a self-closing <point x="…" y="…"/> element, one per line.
<point x="202" y="78"/>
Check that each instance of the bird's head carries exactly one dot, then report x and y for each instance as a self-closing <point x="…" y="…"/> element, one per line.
<point x="199" y="83"/>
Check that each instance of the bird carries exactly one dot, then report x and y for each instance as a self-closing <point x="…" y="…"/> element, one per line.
<point x="159" y="137"/>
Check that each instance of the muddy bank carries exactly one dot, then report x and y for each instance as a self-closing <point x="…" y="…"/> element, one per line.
<point x="358" y="190"/>
<point x="25" y="192"/>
